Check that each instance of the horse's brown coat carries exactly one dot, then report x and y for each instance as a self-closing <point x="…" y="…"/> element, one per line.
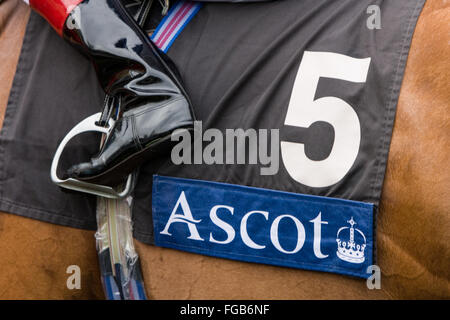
<point x="413" y="224"/>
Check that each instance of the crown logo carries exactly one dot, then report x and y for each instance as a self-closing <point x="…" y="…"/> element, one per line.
<point x="349" y="248"/>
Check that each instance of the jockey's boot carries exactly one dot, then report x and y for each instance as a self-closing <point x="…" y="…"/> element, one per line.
<point x="133" y="71"/>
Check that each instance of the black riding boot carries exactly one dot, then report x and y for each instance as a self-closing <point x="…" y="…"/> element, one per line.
<point x="133" y="71"/>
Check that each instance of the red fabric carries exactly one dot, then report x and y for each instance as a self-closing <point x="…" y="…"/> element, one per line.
<point x="55" y="11"/>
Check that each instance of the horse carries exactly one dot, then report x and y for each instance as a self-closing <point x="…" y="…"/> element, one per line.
<point x="412" y="226"/>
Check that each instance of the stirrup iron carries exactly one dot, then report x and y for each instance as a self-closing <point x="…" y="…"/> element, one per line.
<point x="88" y="125"/>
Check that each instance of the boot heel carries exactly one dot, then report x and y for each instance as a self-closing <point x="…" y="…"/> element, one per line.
<point x="164" y="147"/>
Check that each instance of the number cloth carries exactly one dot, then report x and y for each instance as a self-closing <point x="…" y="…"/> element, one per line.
<point x="326" y="73"/>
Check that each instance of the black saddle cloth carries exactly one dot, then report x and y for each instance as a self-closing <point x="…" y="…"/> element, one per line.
<point x="239" y="63"/>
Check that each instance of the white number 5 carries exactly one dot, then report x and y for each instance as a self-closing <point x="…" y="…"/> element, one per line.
<point x="303" y="111"/>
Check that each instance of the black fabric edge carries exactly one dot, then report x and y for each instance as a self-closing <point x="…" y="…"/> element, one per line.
<point x="392" y="103"/>
<point x="45" y="216"/>
<point x="390" y="114"/>
<point x="389" y="119"/>
<point x="6" y="205"/>
<point x="146" y="238"/>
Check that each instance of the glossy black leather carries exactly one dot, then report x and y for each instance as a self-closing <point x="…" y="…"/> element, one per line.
<point x="132" y="69"/>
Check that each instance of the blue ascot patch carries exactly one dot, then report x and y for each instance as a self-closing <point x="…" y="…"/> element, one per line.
<point x="263" y="226"/>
